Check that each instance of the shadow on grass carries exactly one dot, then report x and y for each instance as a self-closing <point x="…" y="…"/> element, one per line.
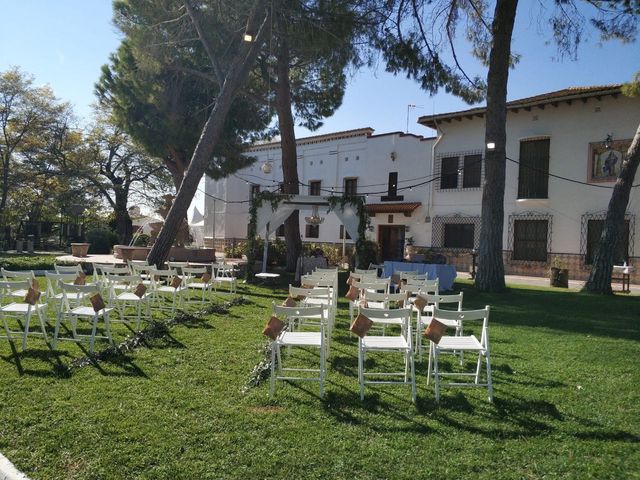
<point x="565" y="311"/>
<point x="50" y="359"/>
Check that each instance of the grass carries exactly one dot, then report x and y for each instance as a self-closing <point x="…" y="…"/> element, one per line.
<point x="27" y="261"/>
<point x="566" y="403"/>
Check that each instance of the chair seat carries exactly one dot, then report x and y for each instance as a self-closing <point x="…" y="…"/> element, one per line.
<point x="169" y="289"/>
<point x="19" y="293"/>
<point x="225" y="279"/>
<point x="21" y="307"/>
<point x="325" y="302"/>
<point x="301" y="338"/>
<point x="469" y="342"/>
<point x="70" y="296"/>
<point x="384" y="343"/>
<point x="379" y="305"/>
<point x="88" y="311"/>
<point x="132" y="297"/>
<point x="198" y="286"/>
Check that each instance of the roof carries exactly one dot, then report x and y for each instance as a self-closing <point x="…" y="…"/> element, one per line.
<point x="406" y="207"/>
<point x="327" y="137"/>
<point x="567" y="95"/>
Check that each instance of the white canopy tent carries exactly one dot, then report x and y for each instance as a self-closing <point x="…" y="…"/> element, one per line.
<point x="268" y="219"/>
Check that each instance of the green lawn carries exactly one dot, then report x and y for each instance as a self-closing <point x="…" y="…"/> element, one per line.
<point x="567" y="403"/>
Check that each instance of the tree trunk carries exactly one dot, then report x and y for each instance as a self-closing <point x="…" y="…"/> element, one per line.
<point x="235" y="78"/>
<point x="288" y="147"/>
<point x="175" y="163"/>
<point x="490" y="276"/>
<point x="600" y="277"/>
<point x="5" y="183"/>
<point x="124" y="225"/>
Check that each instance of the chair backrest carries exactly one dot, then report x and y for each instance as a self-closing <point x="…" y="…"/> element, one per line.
<point x="360" y="277"/>
<point x="191" y="272"/>
<point x="366" y="271"/>
<point x="289" y="313"/>
<point x="7" y="285"/>
<point x="407" y="274"/>
<point x="84" y="289"/>
<point x="163" y="273"/>
<point x="439" y="300"/>
<point x="139" y="268"/>
<point x="177" y="266"/>
<point x="430" y="287"/>
<point x="371" y="285"/>
<point x="68" y="268"/>
<point x="308" y="292"/>
<point x="410" y="289"/>
<point x="20" y="274"/>
<point x="333" y="270"/>
<point x="387" y="298"/>
<point x="53" y="280"/>
<point x="390" y="317"/>
<point x="121" y="270"/>
<point x="417" y="278"/>
<point x="465" y="316"/>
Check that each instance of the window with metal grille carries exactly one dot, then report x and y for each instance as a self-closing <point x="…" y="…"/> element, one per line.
<point x="530" y="240"/>
<point x="594" y="232"/>
<point x="280" y="231"/>
<point x="449" y="173"/>
<point x="533" y="172"/>
<point x="342" y="232"/>
<point x="350" y="187"/>
<point x="255" y="189"/>
<point x="312" y="231"/>
<point x="314" y="187"/>
<point x="459" y="235"/>
<point x="472" y="171"/>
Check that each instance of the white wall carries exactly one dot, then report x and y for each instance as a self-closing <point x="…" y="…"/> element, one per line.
<point x="571" y="128"/>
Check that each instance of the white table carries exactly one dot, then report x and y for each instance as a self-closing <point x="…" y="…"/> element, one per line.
<point x="267" y="277"/>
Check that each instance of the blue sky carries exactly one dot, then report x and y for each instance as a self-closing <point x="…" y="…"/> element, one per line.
<point x="64" y="43"/>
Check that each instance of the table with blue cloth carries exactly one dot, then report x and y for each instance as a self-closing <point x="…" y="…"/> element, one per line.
<point x="445" y="273"/>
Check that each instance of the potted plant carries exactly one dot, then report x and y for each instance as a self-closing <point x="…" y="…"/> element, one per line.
<point x="559" y="273"/>
<point x="409" y="249"/>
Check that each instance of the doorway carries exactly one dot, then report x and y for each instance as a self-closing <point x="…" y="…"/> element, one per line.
<point x="391" y="240"/>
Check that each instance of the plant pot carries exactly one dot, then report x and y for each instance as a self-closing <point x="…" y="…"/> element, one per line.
<point x="559" y="277"/>
<point x="80" y="249"/>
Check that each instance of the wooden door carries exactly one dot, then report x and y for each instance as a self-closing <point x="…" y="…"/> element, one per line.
<point x="391" y="240"/>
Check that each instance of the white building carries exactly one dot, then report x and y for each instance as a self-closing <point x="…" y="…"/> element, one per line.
<point x="384" y="167"/>
<point x="562" y="133"/>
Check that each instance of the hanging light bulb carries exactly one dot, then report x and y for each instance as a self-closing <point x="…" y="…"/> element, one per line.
<point x="267" y="167"/>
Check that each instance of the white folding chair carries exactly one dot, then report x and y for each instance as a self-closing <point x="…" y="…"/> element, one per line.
<point x="161" y="288"/>
<point x="454" y="302"/>
<point x="54" y="293"/>
<point x="400" y="343"/>
<point x="17" y="276"/>
<point x="177" y="266"/>
<point x="192" y="280"/>
<point x="225" y="274"/>
<point x="462" y="343"/>
<point x="384" y="301"/>
<point x="305" y="339"/>
<point x="124" y="297"/>
<point x="22" y="311"/>
<point x="366" y="271"/>
<point x="84" y="311"/>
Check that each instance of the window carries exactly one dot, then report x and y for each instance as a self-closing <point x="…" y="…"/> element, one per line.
<point x="533" y="173"/>
<point x="312" y="231"/>
<point x="594" y="231"/>
<point x="472" y="172"/>
<point x="280" y="231"/>
<point x="459" y="235"/>
<point x="393" y="184"/>
<point x="314" y="187"/>
<point x="342" y="232"/>
<point x="449" y="173"/>
<point x="255" y="189"/>
<point x="530" y="240"/>
<point x="350" y="187"/>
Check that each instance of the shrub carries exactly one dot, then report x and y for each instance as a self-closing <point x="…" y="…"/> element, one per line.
<point x="101" y="240"/>
<point x="367" y="253"/>
<point x="25" y="261"/>
<point x="277" y="254"/>
<point x="333" y="253"/>
<point x="142" y="240"/>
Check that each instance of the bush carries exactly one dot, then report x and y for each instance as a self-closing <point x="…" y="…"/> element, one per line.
<point x="101" y="240"/>
<point x="333" y="254"/>
<point x="25" y="261"/>
<point x="277" y="254"/>
<point x="142" y="240"/>
<point x="367" y="254"/>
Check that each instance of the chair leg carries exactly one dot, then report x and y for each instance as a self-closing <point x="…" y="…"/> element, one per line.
<point x="107" y="327"/>
<point x="436" y="373"/>
<point x="413" y="377"/>
<point x="92" y="340"/>
<point x="361" y="371"/>
<point x="43" y="326"/>
<point x="272" y="380"/>
<point x="430" y="360"/>
<point x="26" y="331"/>
<point x="478" y="366"/>
<point x="322" y="370"/>
<point x="489" y="380"/>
